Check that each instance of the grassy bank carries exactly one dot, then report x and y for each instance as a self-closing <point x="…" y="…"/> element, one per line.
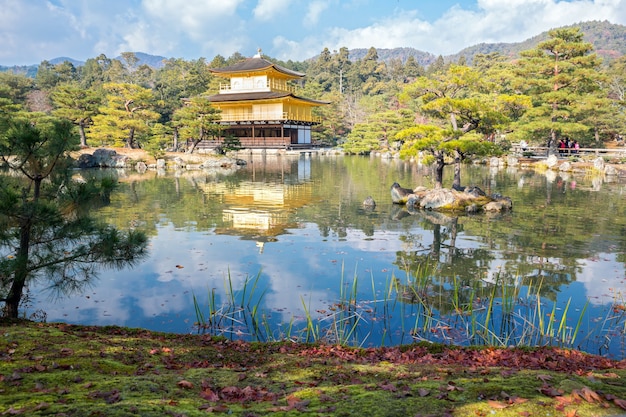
<point x="65" y="370"/>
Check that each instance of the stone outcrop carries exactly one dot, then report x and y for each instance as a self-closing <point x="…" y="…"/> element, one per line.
<point x="470" y="200"/>
<point x="109" y="158"/>
<point x="103" y="158"/>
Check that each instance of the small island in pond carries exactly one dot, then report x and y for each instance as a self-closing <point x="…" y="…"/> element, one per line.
<point x="469" y="199"/>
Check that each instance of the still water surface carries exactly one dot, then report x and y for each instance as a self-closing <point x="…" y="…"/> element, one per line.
<point x="298" y="224"/>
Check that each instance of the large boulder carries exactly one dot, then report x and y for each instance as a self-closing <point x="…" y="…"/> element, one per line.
<point x="86" y="160"/>
<point x="400" y="195"/>
<point x="470" y="200"/>
<point x="438" y="198"/>
<point x="108" y="158"/>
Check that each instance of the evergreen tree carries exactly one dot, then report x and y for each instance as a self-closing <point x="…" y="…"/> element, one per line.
<point x="197" y="121"/>
<point x="464" y="110"/>
<point x="77" y="105"/>
<point x="559" y="75"/>
<point x="46" y="232"/>
<point x="126" y="114"/>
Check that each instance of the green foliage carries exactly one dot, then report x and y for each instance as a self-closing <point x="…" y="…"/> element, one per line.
<point x="230" y="143"/>
<point x="561" y="75"/>
<point x="77" y="105"/>
<point x="46" y="230"/>
<point x="487" y="93"/>
<point x="127" y="112"/>
<point x="197" y="121"/>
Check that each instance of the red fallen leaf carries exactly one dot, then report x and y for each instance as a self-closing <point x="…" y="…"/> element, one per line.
<point x="66" y="352"/>
<point x="498" y="405"/>
<point x="388" y="387"/>
<point x="587" y="394"/>
<point x="544" y="378"/>
<point x="231" y="392"/>
<point x="291" y="400"/>
<point x="185" y="384"/>
<point x="564" y="401"/>
<point x="179" y="266"/>
<point x="571" y="413"/>
<point x="248" y="393"/>
<point x="110" y="397"/>
<point x="620" y="403"/>
<point x="549" y="391"/>
<point x="294" y="403"/>
<point x="209" y="395"/>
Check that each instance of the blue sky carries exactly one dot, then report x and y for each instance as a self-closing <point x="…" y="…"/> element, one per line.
<point x="34" y="30"/>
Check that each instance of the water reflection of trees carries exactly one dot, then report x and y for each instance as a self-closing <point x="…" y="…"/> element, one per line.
<point x="462" y="275"/>
<point x="552" y="227"/>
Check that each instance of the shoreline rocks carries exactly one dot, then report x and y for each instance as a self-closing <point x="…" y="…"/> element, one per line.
<point x="109" y="158"/>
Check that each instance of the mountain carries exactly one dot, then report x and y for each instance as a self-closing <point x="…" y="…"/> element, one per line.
<point x="154" y="61"/>
<point x="60" y="60"/>
<point x="608" y="39"/>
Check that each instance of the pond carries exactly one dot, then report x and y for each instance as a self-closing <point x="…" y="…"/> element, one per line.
<point x="284" y="248"/>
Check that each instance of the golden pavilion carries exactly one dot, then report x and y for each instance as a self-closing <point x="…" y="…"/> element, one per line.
<point x="260" y="106"/>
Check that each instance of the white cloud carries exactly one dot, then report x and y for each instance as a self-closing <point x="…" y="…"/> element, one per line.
<point x="191" y="16"/>
<point x="314" y="11"/>
<point x="269" y="9"/>
<point x="489" y="21"/>
<point x="33" y="30"/>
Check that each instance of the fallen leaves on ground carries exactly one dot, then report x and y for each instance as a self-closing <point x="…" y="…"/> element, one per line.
<point x="112" y="368"/>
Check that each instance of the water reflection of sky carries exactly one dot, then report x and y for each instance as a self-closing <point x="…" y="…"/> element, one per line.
<point x="297" y="264"/>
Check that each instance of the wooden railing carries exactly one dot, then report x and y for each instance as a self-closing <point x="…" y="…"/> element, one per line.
<point x="270" y="85"/>
<point x="276" y="115"/>
<point x="542" y="151"/>
<point x="250" y="143"/>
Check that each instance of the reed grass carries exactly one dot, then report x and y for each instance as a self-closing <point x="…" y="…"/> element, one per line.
<point x="490" y="313"/>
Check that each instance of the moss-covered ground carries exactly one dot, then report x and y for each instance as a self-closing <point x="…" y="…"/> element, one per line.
<point x="65" y="370"/>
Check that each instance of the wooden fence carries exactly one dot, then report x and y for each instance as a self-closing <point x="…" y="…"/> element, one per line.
<point x="542" y="151"/>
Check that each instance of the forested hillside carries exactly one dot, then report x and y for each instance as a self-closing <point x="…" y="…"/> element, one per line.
<point x="561" y="87"/>
<point x="608" y="40"/>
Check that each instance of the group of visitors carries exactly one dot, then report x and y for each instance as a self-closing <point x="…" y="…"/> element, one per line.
<point x="568" y="147"/>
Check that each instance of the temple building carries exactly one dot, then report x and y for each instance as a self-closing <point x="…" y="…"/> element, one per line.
<point x="259" y="106"/>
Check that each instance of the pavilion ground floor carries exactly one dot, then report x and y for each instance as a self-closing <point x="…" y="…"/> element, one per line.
<point x="264" y="135"/>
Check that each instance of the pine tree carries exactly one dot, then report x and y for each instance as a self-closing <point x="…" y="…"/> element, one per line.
<point x="46" y="231"/>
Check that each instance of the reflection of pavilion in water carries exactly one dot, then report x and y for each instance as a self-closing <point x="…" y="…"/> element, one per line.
<point x="263" y="208"/>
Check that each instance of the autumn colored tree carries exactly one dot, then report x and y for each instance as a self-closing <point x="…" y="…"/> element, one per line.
<point x="46" y="231"/>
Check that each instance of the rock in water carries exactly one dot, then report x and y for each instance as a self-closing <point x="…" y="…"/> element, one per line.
<point x="369" y="202"/>
<point x="399" y="195"/>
